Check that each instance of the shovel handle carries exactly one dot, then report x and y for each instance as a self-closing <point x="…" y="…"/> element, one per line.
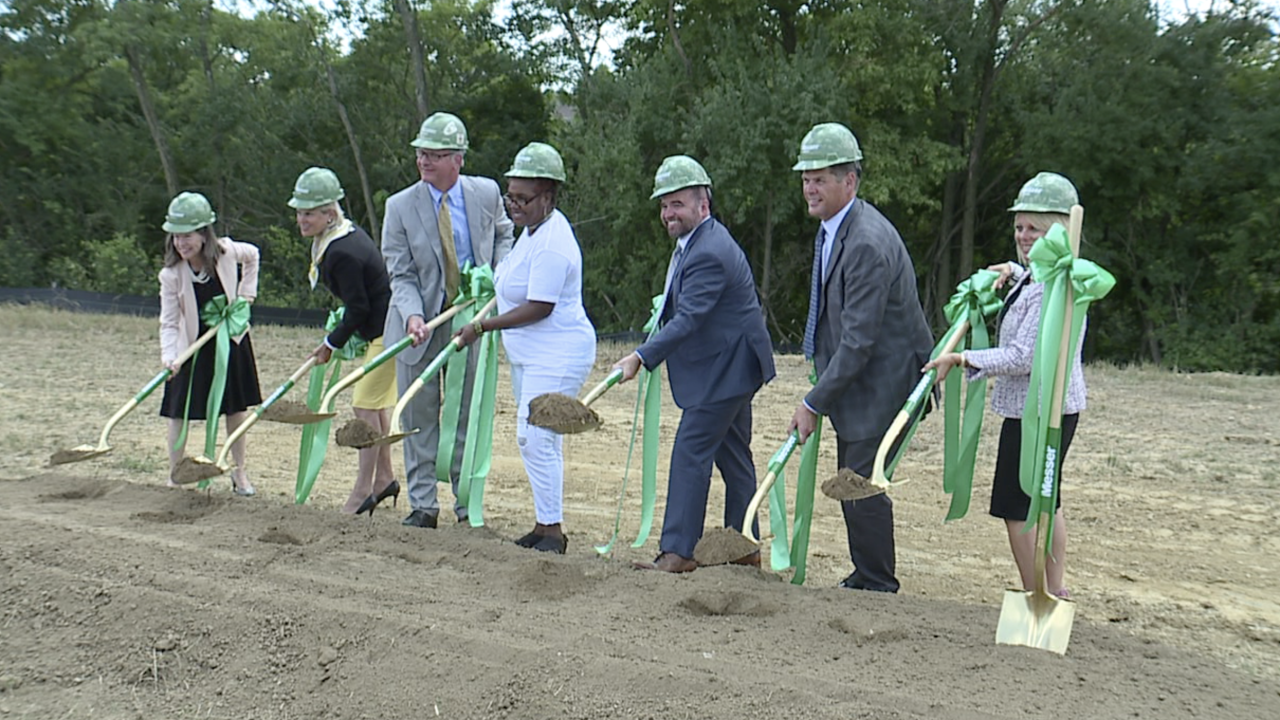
<point x="776" y="464"/>
<point x="900" y="421"/>
<point x="326" y="405"/>
<point x="609" y="381"/>
<point x="257" y="414"/>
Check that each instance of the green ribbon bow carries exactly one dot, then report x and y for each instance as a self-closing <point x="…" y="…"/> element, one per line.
<point x="231" y="319"/>
<point x="974" y="301"/>
<point x="648" y="396"/>
<point x="315" y="436"/>
<point x="1057" y="268"/>
<point x="477" y="451"/>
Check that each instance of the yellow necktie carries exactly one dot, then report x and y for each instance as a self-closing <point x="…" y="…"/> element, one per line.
<point x="452" y="278"/>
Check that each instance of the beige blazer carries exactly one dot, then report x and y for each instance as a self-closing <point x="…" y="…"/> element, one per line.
<point x="179" y="316"/>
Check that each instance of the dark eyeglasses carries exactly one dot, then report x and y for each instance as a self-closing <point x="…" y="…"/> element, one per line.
<point x="434" y="157"/>
<point x="520" y="202"/>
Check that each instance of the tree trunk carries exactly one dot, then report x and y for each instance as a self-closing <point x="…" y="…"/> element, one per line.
<point x="206" y="61"/>
<point x="977" y="140"/>
<point x="943" y="278"/>
<point x="374" y="225"/>
<point x="766" y="269"/>
<point x="153" y="120"/>
<point x="409" y="18"/>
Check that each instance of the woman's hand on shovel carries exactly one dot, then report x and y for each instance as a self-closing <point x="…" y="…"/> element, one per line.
<point x="629" y="365"/>
<point x="943" y="364"/>
<point x="322" y="353"/>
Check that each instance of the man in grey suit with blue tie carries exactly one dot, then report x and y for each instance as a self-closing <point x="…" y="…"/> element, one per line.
<point x="718" y="354"/>
<point x="431" y="230"/>
<point x="866" y="333"/>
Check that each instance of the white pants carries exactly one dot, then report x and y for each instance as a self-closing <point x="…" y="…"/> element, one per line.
<point x="541" y="449"/>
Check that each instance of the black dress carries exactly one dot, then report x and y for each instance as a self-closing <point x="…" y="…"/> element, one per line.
<point x="242" y="391"/>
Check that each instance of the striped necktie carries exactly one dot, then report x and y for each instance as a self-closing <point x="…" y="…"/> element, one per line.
<point x="815" y="296"/>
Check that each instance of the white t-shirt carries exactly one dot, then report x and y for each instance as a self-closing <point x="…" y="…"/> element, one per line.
<point x="546" y="267"/>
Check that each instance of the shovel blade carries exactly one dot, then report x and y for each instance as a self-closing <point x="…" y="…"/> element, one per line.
<point x="392" y="438"/>
<point x="1037" y="620"/>
<point x="849" y="485"/>
<point x="722" y="546"/>
<point x="77" y="454"/>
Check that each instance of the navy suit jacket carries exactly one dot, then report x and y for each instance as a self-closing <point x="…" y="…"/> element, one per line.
<point x="713" y="336"/>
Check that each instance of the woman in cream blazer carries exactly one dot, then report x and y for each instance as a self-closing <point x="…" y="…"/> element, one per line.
<point x="199" y="266"/>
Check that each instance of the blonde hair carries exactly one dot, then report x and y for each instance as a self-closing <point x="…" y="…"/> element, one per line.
<point x="1039" y="220"/>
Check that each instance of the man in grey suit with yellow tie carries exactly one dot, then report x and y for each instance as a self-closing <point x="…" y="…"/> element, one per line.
<point x="866" y="333"/>
<point x="431" y="230"/>
<point x="717" y="350"/>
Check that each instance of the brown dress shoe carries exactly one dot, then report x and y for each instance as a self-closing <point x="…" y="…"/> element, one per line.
<point x="753" y="560"/>
<point x="669" y="562"/>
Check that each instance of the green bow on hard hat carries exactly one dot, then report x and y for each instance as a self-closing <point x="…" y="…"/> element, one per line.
<point x="1054" y="265"/>
<point x="974" y="301"/>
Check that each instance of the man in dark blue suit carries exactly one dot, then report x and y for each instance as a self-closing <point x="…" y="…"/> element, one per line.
<point x="718" y="355"/>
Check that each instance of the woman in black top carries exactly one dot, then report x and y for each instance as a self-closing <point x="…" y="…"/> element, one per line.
<point x="345" y="259"/>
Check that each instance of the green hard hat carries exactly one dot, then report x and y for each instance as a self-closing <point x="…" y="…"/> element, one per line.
<point x="316" y="186"/>
<point x="677" y="173"/>
<point x="537" y="160"/>
<point x="827" y="144"/>
<point x="188" y="212"/>
<point x="441" y="131"/>
<point x="1046" y="193"/>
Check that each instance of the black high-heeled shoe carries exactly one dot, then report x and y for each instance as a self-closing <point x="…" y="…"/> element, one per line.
<point x="392" y="491"/>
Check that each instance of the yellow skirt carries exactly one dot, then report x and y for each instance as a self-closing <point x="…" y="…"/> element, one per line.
<point x="377" y="389"/>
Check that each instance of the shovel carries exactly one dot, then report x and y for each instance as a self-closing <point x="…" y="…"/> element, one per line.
<point x="723" y="545"/>
<point x="326" y="410"/>
<point x="85" y="452"/>
<point x="1034" y="618"/>
<point x="848" y="485"/>
<point x="195" y="469"/>
<point x="562" y="414"/>
<point x="398" y="432"/>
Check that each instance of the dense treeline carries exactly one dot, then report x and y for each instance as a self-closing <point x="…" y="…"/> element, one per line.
<point x="1170" y="128"/>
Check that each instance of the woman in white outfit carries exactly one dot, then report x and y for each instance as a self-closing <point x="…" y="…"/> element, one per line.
<point x="549" y="340"/>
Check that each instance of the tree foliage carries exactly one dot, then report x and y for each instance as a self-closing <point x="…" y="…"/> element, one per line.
<point x="1170" y="127"/>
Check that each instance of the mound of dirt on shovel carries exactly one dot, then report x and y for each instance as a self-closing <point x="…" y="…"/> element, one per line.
<point x="356" y="434"/>
<point x="722" y="545"/>
<point x="849" y="485"/>
<point x="284" y="409"/>
<point x="562" y="414"/>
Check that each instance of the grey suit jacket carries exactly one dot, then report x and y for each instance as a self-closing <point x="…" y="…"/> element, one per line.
<point x="872" y="336"/>
<point x="713" y="339"/>
<point x="411" y="248"/>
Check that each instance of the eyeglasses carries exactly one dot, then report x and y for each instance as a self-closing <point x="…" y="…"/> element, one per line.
<point x="521" y="202"/>
<point x="434" y="157"/>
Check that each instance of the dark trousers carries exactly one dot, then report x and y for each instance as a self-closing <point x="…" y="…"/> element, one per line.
<point x="869" y="524"/>
<point x="718" y="432"/>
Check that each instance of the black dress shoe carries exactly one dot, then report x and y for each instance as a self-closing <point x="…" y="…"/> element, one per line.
<point x="420" y="518"/>
<point x="529" y="540"/>
<point x="552" y="543"/>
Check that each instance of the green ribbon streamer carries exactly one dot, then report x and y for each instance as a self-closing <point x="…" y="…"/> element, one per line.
<point x="974" y="301"/>
<point x="477" y="453"/>
<point x="783" y="555"/>
<point x="1057" y="268"/>
<point x="648" y="396"/>
<point x="476" y="284"/>
<point x="315" y="436"/>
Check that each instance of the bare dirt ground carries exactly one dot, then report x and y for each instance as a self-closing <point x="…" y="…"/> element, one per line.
<point x="122" y="599"/>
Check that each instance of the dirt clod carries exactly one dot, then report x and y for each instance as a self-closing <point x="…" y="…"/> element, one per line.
<point x="722" y="545"/>
<point x="356" y="434"/>
<point x="562" y="414"/>
<point x="849" y="485"/>
<point x="191" y="470"/>
<point x="286" y="411"/>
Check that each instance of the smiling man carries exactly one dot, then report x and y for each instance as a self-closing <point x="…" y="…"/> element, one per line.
<point x="866" y="334"/>
<point x="718" y="354"/>
<point x="432" y="229"/>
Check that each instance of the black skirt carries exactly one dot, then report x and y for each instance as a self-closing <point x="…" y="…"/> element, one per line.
<point x="242" y="391"/>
